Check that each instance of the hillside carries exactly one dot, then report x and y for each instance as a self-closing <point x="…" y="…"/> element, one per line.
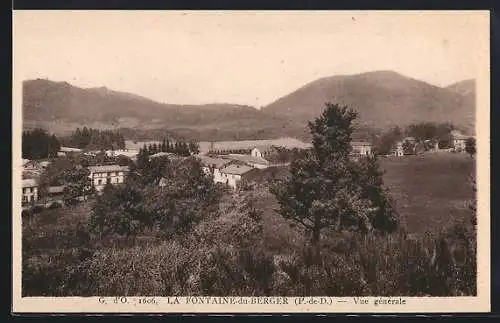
<point x="382" y="98"/>
<point x="60" y="107"/>
<point x="467" y="87"/>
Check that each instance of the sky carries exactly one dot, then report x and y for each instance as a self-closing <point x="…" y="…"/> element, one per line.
<point x="240" y="57"/>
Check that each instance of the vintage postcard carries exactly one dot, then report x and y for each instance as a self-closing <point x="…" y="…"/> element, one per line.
<point x="251" y="161"/>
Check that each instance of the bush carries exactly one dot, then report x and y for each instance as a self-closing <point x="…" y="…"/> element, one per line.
<point x="54" y="205"/>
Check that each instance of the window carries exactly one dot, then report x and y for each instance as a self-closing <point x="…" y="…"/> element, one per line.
<point x="25" y="198"/>
<point x="32" y="198"/>
<point x="108" y="180"/>
<point x="108" y="174"/>
<point x="99" y="182"/>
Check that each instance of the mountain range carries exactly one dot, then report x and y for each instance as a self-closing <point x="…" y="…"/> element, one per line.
<point x="382" y="99"/>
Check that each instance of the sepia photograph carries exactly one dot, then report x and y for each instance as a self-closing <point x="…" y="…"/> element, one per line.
<point x="251" y="161"/>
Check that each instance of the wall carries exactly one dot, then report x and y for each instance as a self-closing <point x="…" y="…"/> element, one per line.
<point x="99" y="180"/>
<point x="30" y="194"/>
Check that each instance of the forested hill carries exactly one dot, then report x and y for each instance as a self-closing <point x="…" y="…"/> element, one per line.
<point x="382" y="98"/>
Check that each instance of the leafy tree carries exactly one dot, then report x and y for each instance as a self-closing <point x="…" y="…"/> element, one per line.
<point x="325" y="189"/>
<point x="54" y="174"/>
<point x="369" y="176"/>
<point x="119" y="210"/>
<point x="445" y="142"/>
<point x="163" y="146"/>
<point x="194" y="148"/>
<point x="38" y="144"/>
<point x="387" y="140"/>
<point x="77" y="184"/>
<point x="142" y="159"/>
<point x="408" y="147"/>
<point x="470" y="146"/>
<point x="185" y="198"/>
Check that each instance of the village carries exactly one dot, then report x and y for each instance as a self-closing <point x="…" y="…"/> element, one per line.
<point x="227" y="162"/>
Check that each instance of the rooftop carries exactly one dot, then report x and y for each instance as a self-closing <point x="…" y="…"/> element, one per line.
<point x="360" y="143"/>
<point x="55" y="189"/>
<point x="209" y="161"/>
<point x="161" y="154"/>
<point x="236" y="169"/>
<point x="248" y="159"/>
<point x="69" y="149"/>
<point x="285" y="142"/>
<point x="265" y="148"/>
<point x="29" y="182"/>
<point x="107" y="168"/>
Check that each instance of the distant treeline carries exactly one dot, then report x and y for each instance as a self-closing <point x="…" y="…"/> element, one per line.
<point x="180" y="148"/>
<point x="38" y="144"/>
<point x="94" y="139"/>
<point x="439" y="132"/>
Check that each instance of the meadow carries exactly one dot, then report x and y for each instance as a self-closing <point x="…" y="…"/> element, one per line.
<point x="430" y="190"/>
<point x="247" y="248"/>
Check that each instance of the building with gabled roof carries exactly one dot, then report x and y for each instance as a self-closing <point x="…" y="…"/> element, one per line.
<point x="29" y="190"/>
<point x="361" y="148"/>
<point x="459" y="140"/>
<point x="102" y="175"/>
<point x="263" y="151"/>
<point x="212" y="166"/>
<point x="233" y="174"/>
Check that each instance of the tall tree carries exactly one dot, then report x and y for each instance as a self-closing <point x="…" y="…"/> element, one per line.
<point x="163" y="146"/>
<point x="325" y="189"/>
<point x="194" y="148"/>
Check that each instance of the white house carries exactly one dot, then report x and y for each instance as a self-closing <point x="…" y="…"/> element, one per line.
<point x="398" y="150"/>
<point x="102" y="175"/>
<point x="233" y="174"/>
<point x="30" y="190"/>
<point x="263" y="151"/>
<point x="362" y="148"/>
<point x="213" y="166"/>
<point x="459" y="140"/>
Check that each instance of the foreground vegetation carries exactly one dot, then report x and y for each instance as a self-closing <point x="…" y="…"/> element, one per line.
<point x="308" y="230"/>
<point x="235" y="253"/>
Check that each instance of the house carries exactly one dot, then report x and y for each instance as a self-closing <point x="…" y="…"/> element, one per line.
<point x="233" y="174"/>
<point x="29" y="190"/>
<point x="102" y="175"/>
<point x="263" y="151"/>
<point x="212" y="166"/>
<point x="398" y="150"/>
<point x="361" y="148"/>
<point x="250" y="160"/>
<point x="458" y="140"/>
<point x="31" y="165"/>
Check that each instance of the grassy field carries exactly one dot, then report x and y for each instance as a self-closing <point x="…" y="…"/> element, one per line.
<point x="430" y="190"/>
